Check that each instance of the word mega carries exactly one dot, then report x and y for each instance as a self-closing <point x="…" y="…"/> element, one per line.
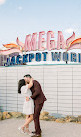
<point x="32" y="44"/>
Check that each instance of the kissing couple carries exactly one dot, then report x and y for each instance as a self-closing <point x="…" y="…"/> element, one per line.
<point x="33" y="102"/>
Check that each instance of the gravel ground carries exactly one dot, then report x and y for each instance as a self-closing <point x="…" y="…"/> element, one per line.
<point x="9" y="128"/>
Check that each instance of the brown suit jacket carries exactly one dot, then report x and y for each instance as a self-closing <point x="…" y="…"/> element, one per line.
<point x="37" y="93"/>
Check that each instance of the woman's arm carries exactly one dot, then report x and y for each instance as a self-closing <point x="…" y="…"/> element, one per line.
<point x="37" y="89"/>
<point x="30" y="84"/>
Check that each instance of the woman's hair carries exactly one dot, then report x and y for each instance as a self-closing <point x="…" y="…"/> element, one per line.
<point x="20" y="84"/>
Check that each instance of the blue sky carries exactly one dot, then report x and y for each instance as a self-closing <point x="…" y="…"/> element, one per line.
<point x="21" y="17"/>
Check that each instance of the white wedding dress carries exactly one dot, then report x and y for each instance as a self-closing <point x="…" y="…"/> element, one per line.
<point x="28" y="106"/>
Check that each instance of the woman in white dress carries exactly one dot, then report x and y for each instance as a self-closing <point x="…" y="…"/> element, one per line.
<point x="28" y="106"/>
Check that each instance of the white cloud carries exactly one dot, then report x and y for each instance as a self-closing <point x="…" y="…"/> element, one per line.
<point x="69" y="30"/>
<point x="20" y="8"/>
<point x="2" y="2"/>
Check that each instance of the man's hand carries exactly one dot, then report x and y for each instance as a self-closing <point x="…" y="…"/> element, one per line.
<point x="27" y="98"/>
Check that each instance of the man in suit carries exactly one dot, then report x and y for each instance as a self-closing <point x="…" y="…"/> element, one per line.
<point x="39" y="98"/>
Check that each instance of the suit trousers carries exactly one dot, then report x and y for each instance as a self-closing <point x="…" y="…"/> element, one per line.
<point x="37" y="110"/>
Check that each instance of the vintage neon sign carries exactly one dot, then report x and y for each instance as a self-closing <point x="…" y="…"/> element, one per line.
<point x="37" y="49"/>
<point x="38" y="57"/>
<point x="31" y="43"/>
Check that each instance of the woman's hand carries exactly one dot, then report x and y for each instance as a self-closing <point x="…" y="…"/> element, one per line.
<point x="31" y="83"/>
<point x="27" y="98"/>
<point x="31" y="80"/>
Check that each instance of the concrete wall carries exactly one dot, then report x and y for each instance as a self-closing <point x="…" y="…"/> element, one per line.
<point x="61" y="85"/>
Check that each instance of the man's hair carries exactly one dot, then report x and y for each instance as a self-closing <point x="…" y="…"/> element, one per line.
<point x="28" y="75"/>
